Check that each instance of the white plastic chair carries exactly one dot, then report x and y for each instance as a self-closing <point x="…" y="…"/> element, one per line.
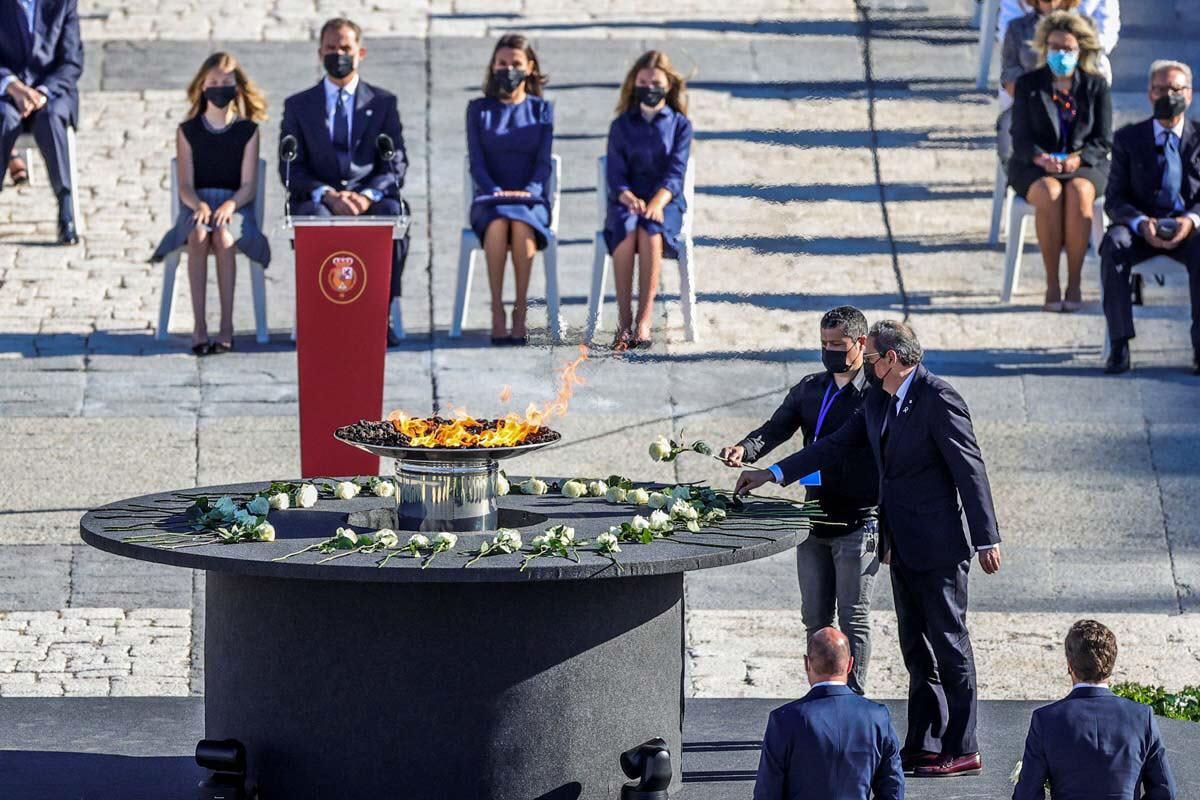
<point x="999" y="204"/>
<point x="258" y="279"/>
<point x="1149" y="266"/>
<point x="1019" y="213"/>
<point x="989" y="19"/>
<point x="469" y="245"/>
<point x="687" y="264"/>
<point x="27" y="146"/>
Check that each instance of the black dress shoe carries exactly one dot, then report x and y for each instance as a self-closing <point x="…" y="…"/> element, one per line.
<point x="67" y="233"/>
<point x="1118" y="359"/>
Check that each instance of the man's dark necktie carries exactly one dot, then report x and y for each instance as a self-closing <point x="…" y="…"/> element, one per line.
<point x="341" y="135"/>
<point x="889" y="425"/>
<point x="1172" y="175"/>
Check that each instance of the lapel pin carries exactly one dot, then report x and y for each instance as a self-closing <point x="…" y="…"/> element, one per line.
<point x="369" y="112"/>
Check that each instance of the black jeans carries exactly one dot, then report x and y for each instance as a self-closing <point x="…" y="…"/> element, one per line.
<point x="1123" y="249"/>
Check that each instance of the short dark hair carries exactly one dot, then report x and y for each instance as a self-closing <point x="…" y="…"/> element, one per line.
<point x="894" y="335"/>
<point x="848" y="319"/>
<point x="336" y="24"/>
<point x="1091" y="651"/>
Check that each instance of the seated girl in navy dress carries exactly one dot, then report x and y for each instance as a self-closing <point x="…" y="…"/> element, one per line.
<point x="648" y="147"/>
<point x="510" y="132"/>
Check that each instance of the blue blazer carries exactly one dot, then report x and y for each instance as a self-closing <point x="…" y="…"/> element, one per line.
<point x="1093" y="745"/>
<point x="830" y="744"/>
<point x="52" y="58"/>
<point x="316" y="163"/>
<point x="931" y="473"/>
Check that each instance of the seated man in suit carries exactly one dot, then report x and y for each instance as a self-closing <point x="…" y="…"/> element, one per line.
<point x="41" y="59"/>
<point x="1153" y="200"/>
<point x="1093" y="744"/>
<point x="831" y="743"/>
<point x="339" y="168"/>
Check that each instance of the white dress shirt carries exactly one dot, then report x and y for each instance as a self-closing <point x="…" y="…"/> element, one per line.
<point x="828" y="683"/>
<point x="1083" y="685"/>
<point x="1160" y="135"/>
<point x="347" y="92"/>
<point x="1105" y="13"/>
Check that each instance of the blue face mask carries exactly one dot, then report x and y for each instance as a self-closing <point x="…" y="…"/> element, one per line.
<point x="1062" y="62"/>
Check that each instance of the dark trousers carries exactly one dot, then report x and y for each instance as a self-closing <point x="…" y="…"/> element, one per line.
<point x="931" y="617"/>
<point x="49" y="127"/>
<point x="386" y="207"/>
<point x="1123" y="249"/>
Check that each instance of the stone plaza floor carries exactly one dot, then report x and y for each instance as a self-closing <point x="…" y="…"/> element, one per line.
<point x="842" y="155"/>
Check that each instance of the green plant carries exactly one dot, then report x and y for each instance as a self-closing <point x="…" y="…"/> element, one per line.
<point x="1184" y="704"/>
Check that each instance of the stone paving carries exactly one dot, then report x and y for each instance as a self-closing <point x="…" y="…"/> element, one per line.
<point x="835" y="152"/>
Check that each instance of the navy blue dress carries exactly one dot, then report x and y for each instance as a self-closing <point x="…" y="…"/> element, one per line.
<point x="509" y="146"/>
<point x="644" y="157"/>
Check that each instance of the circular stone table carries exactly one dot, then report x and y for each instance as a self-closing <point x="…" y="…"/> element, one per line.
<point x="347" y="680"/>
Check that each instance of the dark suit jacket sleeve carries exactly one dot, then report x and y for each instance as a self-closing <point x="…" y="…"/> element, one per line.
<point x="1031" y="784"/>
<point x="385" y="178"/>
<point x="68" y="55"/>
<point x="771" y="782"/>
<point x="1118" y="198"/>
<point x="827" y="451"/>
<point x="1157" y="781"/>
<point x="541" y="170"/>
<point x="955" y="438"/>
<point x="303" y="179"/>
<point x="888" y="781"/>
<point x="782" y="425"/>
<point x="1098" y="144"/>
<point x="1025" y="149"/>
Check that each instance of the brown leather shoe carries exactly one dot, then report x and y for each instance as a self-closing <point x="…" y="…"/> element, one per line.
<point x="910" y="761"/>
<point x="951" y="767"/>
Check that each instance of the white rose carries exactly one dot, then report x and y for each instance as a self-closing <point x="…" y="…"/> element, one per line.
<point x="682" y="493"/>
<point x="306" y="496"/>
<point x="533" y="486"/>
<point x="615" y="494"/>
<point x="345" y="490"/>
<point x="565" y="534"/>
<point x="638" y="497"/>
<point x="540" y="541"/>
<point x="682" y="510"/>
<point x="608" y="541"/>
<point x="502" y="486"/>
<point x="279" y="501"/>
<point x="660" y="448"/>
<point x="574" y="489"/>
<point x="388" y="538"/>
<point x="446" y="540"/>
<point x="265" y="532"/>
<point x="658" y="499"/>
<point x="639" y="523"/>
<point x="384" y="488"/>
<point x="347" y="534"/>
<point x="419" y="541"/>
<point x="714" y="515"/>
<point x="507" y="537"/>
<point x="597" y="488"/>
<point x="660" y="521"/>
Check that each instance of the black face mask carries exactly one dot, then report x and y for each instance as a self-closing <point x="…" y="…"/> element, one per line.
<point x="836" y="361"/>
<point x="1169" y="106"/>
<point x="220" y="96"/>
<point x="876" y="380"/>
<point x="508" y="80"/>
<point x="339" y="65"/>
<point x="650" y="96"/>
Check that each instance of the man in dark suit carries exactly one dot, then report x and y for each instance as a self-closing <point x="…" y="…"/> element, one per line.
<point x="831" y="743"/>
<point x="1155" y="177"/>
<point x="930" y="472"/>
<point x="339" y="168"/>
<point x="1092" y="743"/>
<point x="41" y="59"/>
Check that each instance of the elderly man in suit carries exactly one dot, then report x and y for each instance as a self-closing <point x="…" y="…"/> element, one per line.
<point x="41" y="59"/>
<point x="1092" y="743"/>
<point x="930" y="472"/>
<point x="1153" y="200"/>
<point x="340" y="169"/>
<point x="831" y="743"/>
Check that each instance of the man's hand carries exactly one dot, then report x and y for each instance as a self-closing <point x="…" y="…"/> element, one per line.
<point x="360" y="202"/>
<point x="751" y="479"/>
<point x="732" y="456"/>
<point x="338" y="204"/>
<point x="26" y="98"/>
<point x="1148" y="230"/>
<point x="990" y="560"/>
<point x="1186" y="229"/>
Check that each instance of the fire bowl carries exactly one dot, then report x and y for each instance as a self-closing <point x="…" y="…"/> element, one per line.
<point x="447" y="488"/>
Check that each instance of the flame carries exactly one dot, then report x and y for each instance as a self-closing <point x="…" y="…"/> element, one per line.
<point x="466" y="431"/>
<point x="505" y="393"/>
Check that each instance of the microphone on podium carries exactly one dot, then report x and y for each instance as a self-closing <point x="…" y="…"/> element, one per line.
<point x="387" y="151"/>
<point x="288" y="150"/>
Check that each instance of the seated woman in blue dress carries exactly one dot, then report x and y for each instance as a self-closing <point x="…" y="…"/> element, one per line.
<point x="217" y="154"/>
<point x="648" y="147"/>
<point x="510" y="133"/>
